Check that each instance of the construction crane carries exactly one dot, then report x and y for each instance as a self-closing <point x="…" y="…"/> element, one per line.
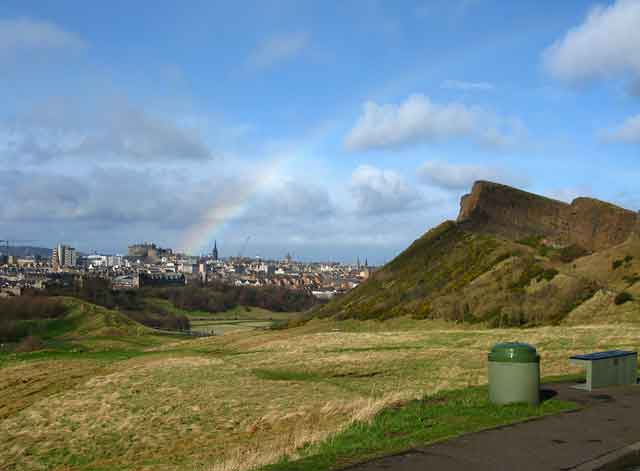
<point x="7" y="243"/>
<point x="244" y="246"/>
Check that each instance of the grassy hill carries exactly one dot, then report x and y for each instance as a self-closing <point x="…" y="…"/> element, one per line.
<point x="85" y="319"/>
<point x="464" y="276"/>
<point x="74" y="325"/>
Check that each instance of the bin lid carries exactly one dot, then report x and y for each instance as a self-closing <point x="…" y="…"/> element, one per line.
<point x="513" y="352"/>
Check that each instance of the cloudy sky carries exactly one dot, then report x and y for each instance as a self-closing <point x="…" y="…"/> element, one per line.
<point x="330" y="130"/>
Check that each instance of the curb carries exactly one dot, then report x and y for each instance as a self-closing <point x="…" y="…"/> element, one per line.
<point x="612" y="461"/>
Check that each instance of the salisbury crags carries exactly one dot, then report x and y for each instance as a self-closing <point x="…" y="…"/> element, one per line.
<point x="512" y="258"/>
<point x="515" y="214"/>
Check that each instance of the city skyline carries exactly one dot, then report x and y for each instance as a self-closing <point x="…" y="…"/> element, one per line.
<point x="329" y="131"/>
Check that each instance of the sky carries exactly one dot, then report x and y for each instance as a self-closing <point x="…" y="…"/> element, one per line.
<point x="329" y="130"/>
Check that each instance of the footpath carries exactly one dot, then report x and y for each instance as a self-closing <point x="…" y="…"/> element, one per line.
<point x="603" y="435"/>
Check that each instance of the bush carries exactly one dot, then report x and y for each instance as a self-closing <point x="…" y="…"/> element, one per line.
<point x="31" y="308"/>
<point x="29" y="344"/>
<point x="160" y="320"/>
<point x="571" y="252"/>
<point x="530" y="273"/>
<point x="531" y="241"/>
<point x="622" y="261"/>
<point x="548" y="274"/>
<point x="631" y="280"/>
<point x="622" y="298"/>
<point x="22" y="316"/>
<point x="218" y="297"/>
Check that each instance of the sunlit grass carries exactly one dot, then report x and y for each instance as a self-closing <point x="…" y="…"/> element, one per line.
<point x="175" y="404"/>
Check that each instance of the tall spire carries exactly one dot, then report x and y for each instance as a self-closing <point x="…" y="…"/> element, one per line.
<point x="215" y="250"/>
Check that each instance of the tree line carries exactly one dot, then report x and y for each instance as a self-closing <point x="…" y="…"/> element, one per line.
<point x="26" y="315"/>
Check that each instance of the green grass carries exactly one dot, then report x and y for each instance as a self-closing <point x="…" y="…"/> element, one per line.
<point x="236" y="313"/>
<point x="419" y="422"/>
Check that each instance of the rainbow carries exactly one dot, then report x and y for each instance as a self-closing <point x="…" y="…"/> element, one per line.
<point x="229" y="205"/>
<point x="234" y="202"/>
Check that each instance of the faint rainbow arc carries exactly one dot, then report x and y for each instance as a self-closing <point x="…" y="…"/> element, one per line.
<point x="228" y="207"/>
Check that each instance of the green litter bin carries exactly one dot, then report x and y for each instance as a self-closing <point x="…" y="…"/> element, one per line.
<point x="514" y="373"/>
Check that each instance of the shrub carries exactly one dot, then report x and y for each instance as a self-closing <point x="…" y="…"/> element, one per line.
<point x="622" y="298"/>
<point x="531" y="241"/>
<point x="532" y="272"/>
<point x="31" y="308"/>
<point x="622" y="261"/>
<point x="161" y="320"/>
<point x="632" y="280"/>
<point x="22" y="316"/>
<point x="571" y="252"/>
<point x="29" y="344"/>
<point x="548" y="274"/>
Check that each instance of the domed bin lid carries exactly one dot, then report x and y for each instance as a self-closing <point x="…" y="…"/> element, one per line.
<point x="514" y="352"/>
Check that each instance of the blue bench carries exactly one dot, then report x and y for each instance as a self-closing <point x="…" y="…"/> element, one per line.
<point x="610" y="368"/>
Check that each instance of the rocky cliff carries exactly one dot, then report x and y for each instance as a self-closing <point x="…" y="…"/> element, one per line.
<point x="515" y="214"/>
<point x="513" y="258"/>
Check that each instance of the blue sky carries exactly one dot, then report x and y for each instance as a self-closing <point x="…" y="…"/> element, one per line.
<point x="327" y="129"/>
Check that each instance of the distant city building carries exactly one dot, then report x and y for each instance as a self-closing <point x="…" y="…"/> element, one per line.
<point x="125" y="282"/>
<point x="64" y="256"/>
<point x="148" y="251"/>
<point x="115" y="260"/>
<point x="95" y="261"/>
<point x="161" y="279"/>
<point x="188" y="268"/>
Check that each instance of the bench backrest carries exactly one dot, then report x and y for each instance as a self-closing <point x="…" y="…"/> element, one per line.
<point x="604" y="355"/>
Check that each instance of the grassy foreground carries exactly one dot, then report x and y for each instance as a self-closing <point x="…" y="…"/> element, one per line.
<point x="416" y="423"/>
<point x="109" y="399"/>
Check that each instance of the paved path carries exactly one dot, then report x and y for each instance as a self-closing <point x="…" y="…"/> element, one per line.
<point x="608" y="422"/>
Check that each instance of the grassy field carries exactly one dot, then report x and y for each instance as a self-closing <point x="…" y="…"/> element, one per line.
<point x="221" y="327"/>
<point x="246" y="399"/>
<point x="238" y="319"/>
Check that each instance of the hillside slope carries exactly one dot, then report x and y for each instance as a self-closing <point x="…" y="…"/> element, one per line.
<point x="504" y="263"/>
<point x="62" y="319"/>
<point x="86" y="319"/>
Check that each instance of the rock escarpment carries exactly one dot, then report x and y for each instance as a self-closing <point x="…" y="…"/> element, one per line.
<point x="501" y="210"/>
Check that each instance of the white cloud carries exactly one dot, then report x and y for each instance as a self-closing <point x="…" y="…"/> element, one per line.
<point x="604" y="45"/>
<point x="629" y="131"/>
<point x="25" y="33"/>
<point x="379" y="191"/>
<point x="93" y="130"/>
<point x="467" y="86"/>
<point x="278" y="48"/>
<point x="418" y="119"/>
<point x="461" y="177"/>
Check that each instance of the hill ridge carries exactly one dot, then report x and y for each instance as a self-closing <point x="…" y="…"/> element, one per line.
<point x="511" y="258"/>
<point x="516" y="214"/>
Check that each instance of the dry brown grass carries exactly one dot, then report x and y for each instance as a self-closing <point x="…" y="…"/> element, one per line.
<point x="210" y="408"/>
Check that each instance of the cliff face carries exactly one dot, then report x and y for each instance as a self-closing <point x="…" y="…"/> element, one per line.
<point x="515" y="214"/>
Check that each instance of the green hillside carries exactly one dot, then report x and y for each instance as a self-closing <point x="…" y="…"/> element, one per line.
<point x="61" y="324"/>
<point x="86" y="319"/>
<point x="463" y="276"/>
